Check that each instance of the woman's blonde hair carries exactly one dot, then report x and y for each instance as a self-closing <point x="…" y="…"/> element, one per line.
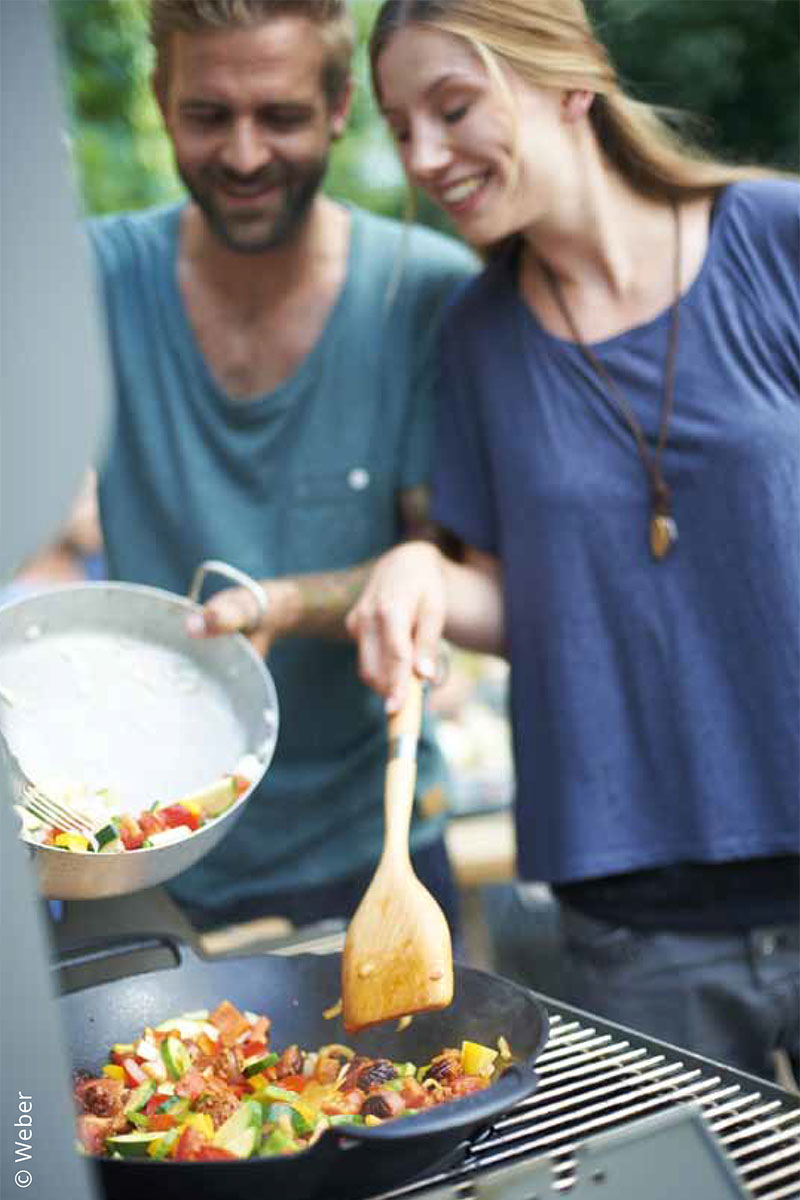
<point x="551" y="43"/>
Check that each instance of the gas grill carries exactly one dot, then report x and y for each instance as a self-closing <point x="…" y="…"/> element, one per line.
<point x="614" y="1109"/>
<point x="616" y="1116"/>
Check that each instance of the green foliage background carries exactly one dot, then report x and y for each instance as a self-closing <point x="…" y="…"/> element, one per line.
<point x="735" y="63"/>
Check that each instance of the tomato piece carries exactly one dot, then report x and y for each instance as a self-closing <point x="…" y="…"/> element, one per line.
<point x="293" y="1083"/>
<point x="251" y="1049"/>
<point x="134" y="1075"/>
<point x="241" y="783"/>
<point x="130" y="832"/>
<point x="212" y="1153"/>
<point x="179" y="814"/>
<point x="189" y="1144"/>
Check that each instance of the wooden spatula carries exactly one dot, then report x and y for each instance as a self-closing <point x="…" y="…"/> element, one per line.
<point x="398" y="956"/>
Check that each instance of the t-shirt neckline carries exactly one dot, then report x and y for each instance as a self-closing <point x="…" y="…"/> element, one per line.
<point x="641" y="328"/>
<point x="248" y="407"/>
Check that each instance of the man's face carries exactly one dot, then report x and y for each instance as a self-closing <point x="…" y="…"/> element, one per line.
<point x="251" y="127"/>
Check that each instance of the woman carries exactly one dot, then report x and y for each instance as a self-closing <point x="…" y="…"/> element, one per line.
<point x="619" y="451"/>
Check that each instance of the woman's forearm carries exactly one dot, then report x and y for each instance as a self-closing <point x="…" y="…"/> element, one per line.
<point x="474" y="604"/>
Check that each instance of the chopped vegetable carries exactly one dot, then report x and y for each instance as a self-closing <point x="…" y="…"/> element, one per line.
<point x="179" y="1093"/>
<point x="158" y="825"/>
<point x="71" y="841"/>
<point x="176" y="1057"/>
<point x="477" y="1059"/>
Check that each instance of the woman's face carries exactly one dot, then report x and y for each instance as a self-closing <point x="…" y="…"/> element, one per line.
<point x="470" y="145"/>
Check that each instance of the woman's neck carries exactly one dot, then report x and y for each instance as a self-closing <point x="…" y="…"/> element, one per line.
<point x="612" y="252"/>
<point x="602" y="235"/>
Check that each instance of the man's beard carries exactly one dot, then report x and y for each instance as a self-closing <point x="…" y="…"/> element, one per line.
<point x="253" y="231"/>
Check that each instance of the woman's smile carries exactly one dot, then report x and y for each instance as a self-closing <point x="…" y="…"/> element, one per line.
<point x="462" y="196"/>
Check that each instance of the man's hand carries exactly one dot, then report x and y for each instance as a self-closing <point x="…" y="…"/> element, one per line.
<point x="399" y="619"/>
<point x="234" y="610"/>
<point x="305" y="605"/>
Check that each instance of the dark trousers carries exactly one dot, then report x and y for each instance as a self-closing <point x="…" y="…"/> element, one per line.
<point x="732" y="997"/>
<point x="338" y="899"/>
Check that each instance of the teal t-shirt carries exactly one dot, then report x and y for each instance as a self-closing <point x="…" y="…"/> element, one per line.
<point x="304" y="478"/>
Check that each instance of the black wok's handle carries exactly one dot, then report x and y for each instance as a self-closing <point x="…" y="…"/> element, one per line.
<point x="100" y="959"/>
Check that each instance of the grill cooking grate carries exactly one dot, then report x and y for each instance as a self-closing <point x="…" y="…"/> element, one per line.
<point x="592" y="1081"/>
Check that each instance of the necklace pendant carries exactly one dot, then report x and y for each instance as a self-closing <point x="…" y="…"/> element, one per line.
<point x="663" y="535"/>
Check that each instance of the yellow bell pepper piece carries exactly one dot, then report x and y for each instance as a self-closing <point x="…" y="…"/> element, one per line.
<point x="257" y="1082"/>
<point x="477" y="1059"/>
<point x="112" y="1071"/>
<point x="71" y="841"/>
<point x="201" y="1122"/>
<point x="305" y="1110"/>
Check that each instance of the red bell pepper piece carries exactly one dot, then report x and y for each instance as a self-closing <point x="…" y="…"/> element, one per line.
<point x="161" y="1121"/>
<point x="293" y="1083"/>
<point x="153" y="1103"/>
<point x="178" y="814"/>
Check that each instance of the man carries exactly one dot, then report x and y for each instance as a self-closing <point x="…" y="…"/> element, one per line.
<point x="273" y="355"/>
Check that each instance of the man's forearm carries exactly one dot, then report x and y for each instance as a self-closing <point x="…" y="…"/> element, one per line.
<point x="315" y="605"/>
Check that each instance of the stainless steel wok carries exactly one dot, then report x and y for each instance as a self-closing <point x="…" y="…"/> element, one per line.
<point x="101" y="685"/>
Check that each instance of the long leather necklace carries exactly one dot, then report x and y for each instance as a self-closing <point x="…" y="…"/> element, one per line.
<point x="663" y="530"/>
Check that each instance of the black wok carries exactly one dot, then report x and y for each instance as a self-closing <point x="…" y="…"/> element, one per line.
<point x="293" y="991"/>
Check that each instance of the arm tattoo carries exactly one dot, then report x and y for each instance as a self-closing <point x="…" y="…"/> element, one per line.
<point x="326" y="599"/>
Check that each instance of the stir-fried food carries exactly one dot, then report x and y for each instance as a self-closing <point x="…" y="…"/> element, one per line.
<point x="209" y="1086"/>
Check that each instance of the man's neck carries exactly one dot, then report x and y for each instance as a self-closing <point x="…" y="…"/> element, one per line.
<point x="256" y="317"/>
<point x="260" y="278"/>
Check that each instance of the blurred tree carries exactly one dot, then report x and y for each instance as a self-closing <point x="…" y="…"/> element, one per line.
<point x="121" y="155"/>
<point x="733" y="62"/>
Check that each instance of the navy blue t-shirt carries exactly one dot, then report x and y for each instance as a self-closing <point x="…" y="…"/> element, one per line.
<point x="655" y="705"/>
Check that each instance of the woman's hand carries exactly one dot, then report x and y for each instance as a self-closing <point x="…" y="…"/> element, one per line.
<point x="399" y="619"/>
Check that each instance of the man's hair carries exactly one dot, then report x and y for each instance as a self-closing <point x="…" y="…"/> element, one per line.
<point x="198" y="16"/>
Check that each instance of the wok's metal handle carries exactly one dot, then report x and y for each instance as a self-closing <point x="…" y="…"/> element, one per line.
<point x="235" y="576"/>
